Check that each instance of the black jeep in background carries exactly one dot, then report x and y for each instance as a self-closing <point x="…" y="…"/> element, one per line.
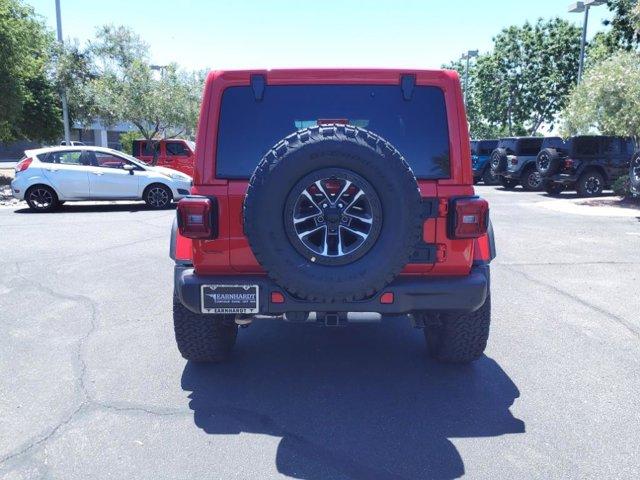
<point x="587" y="164"/>
<point x="514" y="161"/>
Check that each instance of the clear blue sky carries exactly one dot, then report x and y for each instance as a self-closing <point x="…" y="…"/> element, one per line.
<point x="322" y="33"/>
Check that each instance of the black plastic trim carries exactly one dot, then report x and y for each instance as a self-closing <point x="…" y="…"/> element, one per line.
<point x="258" y="83"/>
<point x="408" y="83"/>
<point x="411" y="293"/>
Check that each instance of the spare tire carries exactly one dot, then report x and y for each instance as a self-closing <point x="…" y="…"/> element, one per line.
<point x="498" y="160"/>
<point x="548" y="162"/>
<point x="332" y="213"/>
<point x="634" y="173"/>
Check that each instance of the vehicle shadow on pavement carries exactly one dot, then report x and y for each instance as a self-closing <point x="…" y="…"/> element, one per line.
<point x="357" y="402"/>
<point x="105" y="207"/>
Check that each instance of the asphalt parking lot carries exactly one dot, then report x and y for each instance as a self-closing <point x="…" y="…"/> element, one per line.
<point x="92" y="385"/>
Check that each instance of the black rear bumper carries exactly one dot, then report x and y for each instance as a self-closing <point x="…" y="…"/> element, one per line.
<point x="562" y="178"/>
<point x="438" y="294"/>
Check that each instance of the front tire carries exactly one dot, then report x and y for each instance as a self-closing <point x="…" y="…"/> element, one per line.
<point x="459" y="338"/>
<point x="203" y="338"/>
<point x="42" y="198"/>
<point x="158" y="196"/>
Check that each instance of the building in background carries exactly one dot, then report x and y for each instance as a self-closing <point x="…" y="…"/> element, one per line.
<point x="95" y="134"/>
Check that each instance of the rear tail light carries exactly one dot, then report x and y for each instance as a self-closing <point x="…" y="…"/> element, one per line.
<point x="514" y="161"/>
<point x="22" y="165"/>
<point x="470" y="217"/>
<point x="568" y="164"/>
<point x="196" y="218"/>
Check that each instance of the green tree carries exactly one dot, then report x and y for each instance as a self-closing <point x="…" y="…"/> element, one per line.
<point x="525" y="81"/>
<point x="112" y="80"/>
<point x="625" y="31"/>
<point x="479" y="126"/>
<point x="607" y="101"/>
<point x="29" y="103"/>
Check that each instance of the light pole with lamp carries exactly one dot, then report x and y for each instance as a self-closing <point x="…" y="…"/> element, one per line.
<point x="63" y="94"/>
<point x="579" y="7"/>
<point x="467" y="56"/>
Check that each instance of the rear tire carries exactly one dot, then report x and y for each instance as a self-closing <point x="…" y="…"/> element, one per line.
<point x="488" y="177"/>
<point x="42" y="198"/>
<point x="459" y="338"/>
<point x="590" y="184"/>
<point x="203" y="338"/>
<point x="553" y="188"/>
<point x="507" y="183"/>
<point x="531" y="180"/>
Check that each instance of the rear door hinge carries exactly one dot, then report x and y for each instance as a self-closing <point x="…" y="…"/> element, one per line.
<point x="443" y="207"/>
<point x="441" y="252"/>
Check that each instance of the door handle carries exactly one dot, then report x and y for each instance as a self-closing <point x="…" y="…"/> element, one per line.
<point x="52" y="169"/>
<point x="98" y="173"/>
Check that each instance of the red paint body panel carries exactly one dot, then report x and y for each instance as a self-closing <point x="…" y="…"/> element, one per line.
<point x="230" y="252"/>
<point x="182" y="163"/>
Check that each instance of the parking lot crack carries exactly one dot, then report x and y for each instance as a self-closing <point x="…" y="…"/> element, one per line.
<point x="612" y="316"/>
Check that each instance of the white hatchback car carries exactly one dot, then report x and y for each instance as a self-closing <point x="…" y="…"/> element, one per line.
<point x="48" y="177"/>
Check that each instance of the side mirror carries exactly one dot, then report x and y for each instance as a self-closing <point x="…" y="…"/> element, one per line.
<point x="129" y="168"/>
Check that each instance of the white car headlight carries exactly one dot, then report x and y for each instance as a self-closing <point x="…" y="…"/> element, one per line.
<point x="178" y="176"/>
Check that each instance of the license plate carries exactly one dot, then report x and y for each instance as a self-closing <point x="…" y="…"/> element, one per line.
<point x="229" y="298"/>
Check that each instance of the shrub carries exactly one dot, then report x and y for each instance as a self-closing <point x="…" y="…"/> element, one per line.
<point x="622" y="187"/>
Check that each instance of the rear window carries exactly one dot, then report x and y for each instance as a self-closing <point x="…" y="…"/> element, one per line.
<point x="487" y="147"/>
<point x="529" y="146"/>
<point x="249" y="128"/>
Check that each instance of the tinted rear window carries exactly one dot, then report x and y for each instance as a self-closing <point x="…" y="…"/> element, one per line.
<point x="249" y="128"/>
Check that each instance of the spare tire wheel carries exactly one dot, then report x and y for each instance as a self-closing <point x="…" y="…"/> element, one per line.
<point x="548" y="162"/>
<point x="498" y="160"/>
<point x="332" y="213"/>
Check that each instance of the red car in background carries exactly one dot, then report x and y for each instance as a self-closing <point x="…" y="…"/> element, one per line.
<point x="176" y="153"/>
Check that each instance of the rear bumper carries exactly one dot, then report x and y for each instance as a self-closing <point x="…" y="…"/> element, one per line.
<point x="562" y="178"/>
<point x="438" y="294"/>
<point x="512" y="175"/>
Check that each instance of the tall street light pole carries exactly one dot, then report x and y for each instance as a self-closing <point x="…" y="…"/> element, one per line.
<point x="579" y="7"/>
<point x="467" y="56"/>
<point x="63" y="94"/>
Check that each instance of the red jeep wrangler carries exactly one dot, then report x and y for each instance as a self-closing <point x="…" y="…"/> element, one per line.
<point x="327" y="192"/>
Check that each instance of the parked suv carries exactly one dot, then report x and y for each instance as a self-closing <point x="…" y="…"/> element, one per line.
<point x="481" y="161"/>
<point x="332" y="192"/>
<point x="176" y="153"/>
<point x="514" y="161"/>
<point x="588" y="164"/>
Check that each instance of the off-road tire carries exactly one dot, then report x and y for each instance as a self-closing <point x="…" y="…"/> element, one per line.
<point x="552" y="188"/>
<point x="203" y="338"/>
<point x="530" y="179"/>
<point x="488" y="178"/>
<point x="548" y="162"/>
<point x="459" y="338"/>
<point x="498" y="160"/>
<point x="634" y="174"/>
<point x="322" y="148"/>
<point x="590" y="184"/>
<point x="507" y="183"/>
<point x="37" y="195"/>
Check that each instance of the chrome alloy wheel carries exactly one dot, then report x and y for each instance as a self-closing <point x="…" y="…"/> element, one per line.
<point x="333" y="216"/>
